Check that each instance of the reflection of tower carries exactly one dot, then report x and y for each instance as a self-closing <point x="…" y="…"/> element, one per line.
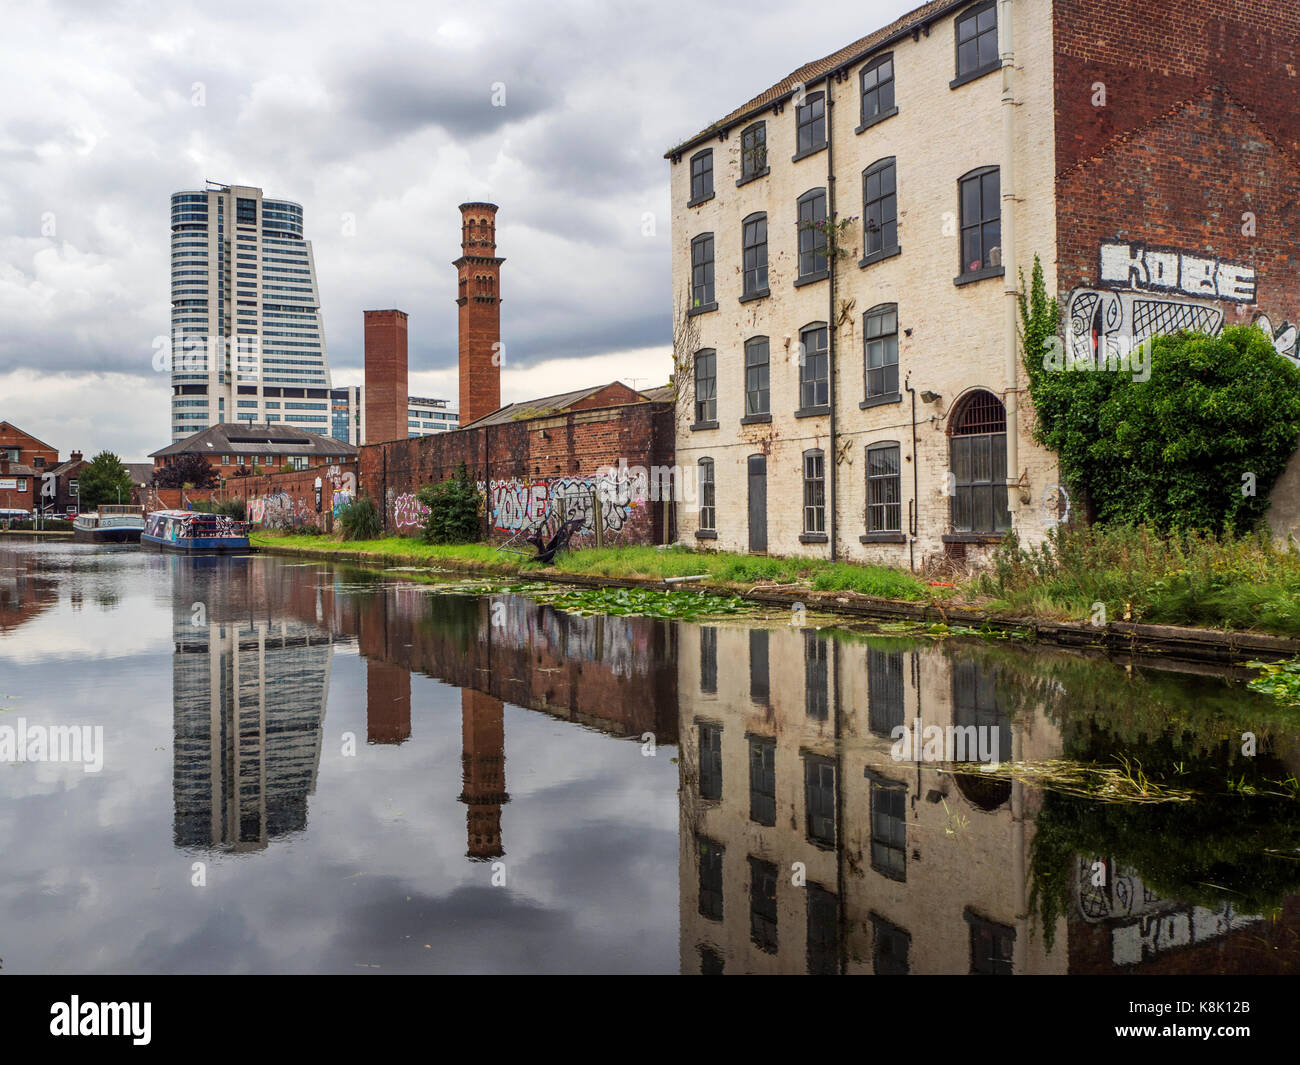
<point x="388" y="702"/>
<point x="483" y="763"/>
<point x="248" y="707"/>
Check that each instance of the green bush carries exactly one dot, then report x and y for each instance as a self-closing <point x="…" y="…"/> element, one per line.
<point x="1198" y="445"/>
<point x="454" y="510"/>
<point x="360" y="519"/>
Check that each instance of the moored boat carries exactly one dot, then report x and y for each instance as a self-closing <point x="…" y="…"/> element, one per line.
<point x="194" y="532"/>
<point x="112" y="524"/>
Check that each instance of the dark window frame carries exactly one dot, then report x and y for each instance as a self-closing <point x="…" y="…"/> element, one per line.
<point x="974" y="69"/>
<point x="703" y="178"/>
<point x="753" y="256"/>
<point x="888" y="828"/>
<point x="762" y="780"/>
<point x="711" y="895"/>
<point x="880" y="382"/>
<point x="974" y="434"/>
<point x="889" y="962"/>
<point x="708" y="660"/>
<point x="992" y="945"/>
<point x="760" y="669"/>
<point x="886" y="691"/>
<point x="884" y="489"/>
<point x="883" y="94"/>
<point x="816" y="675"/>
<point x="764" y="908"/>
<point x="706" y="386"/>
<point x="809" y="118"/>
<point x="880" y="211"/>
<point x="710" y="759"/>
<point x="820" y="827"/>
<point x="753" y="152"/>
<point x="708" y="495"/>
<point x="703" y="260"/>
<point x="758" y="378"/>
<point x="981" y="226"/>
<point x="814" y="490"/>
<point x="814" y="369"/>
<point x="812" y="259"/>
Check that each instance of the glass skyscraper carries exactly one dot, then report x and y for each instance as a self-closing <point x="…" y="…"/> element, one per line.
<point x="247" y="341"/>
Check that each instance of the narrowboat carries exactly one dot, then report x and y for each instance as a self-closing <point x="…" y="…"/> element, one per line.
<point x="194" y="532"/>
<point x="111" y="524"/>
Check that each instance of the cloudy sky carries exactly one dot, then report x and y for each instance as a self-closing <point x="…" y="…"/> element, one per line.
<point x="381" y="112"/>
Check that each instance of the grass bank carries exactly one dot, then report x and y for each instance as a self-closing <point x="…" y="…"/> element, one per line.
<point x="1240" y="583"/>
<point x="721" y="568"/>
<point x="1092" y="575"/>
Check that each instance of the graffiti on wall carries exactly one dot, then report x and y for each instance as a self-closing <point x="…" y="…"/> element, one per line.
<point x="1147" y="291"/>
<point x="280" y="510"/>
<point x="408" y="513"/>
<point x="522" y="503"/>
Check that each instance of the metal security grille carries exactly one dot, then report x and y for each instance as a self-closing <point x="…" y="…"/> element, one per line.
<point x="983" y="413"/>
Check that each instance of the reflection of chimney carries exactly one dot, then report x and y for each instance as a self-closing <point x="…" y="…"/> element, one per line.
<point x="483" y="768"/>
<point x="386" y="395"/>
<point x="478" y="295"/>
<point x="388" y="703"/>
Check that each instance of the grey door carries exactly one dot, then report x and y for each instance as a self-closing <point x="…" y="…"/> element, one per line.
<point x="758" y="504"/>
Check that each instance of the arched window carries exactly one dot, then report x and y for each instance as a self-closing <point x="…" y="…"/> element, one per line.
<point x="978" y="463"/>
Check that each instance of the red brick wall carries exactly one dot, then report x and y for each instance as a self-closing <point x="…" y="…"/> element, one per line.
<point x="30" y="450"/>
<point x="385" y="389"/>
<point x="288" y="500"/>
<point x="1200" y="126"/>
<point x="522" y="467"/>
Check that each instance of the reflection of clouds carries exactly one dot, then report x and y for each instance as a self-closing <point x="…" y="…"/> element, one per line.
<point x="92" y="882"/>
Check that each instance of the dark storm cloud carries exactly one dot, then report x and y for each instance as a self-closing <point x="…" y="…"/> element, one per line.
<point x="384" y="114"/>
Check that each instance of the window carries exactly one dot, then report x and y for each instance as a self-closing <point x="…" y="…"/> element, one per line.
<point x="710" y="878"/>
<point x="884" y="489"/>
<point x="981" y="223"/>
<point x="711" y="962"/>
<point x="879" y="210"/>
<point x="816" y="688"/>
<point x="880" y="335"/>
<point x="889" y="829"/>
<point x="819" y="799"/>
<point x="877" y="89"/>
<point x="22" y="484"/>
<point x="759" y="682"/>
<point x="708" y="507"/>
<point x="814" y="389"/>
<point x="754" y="255"/>
<point x="73" y="486"/>
<point x="762" y="780"/>
<point x="753" y="152"/>
<point x="975" y="703"/>
<point x="991" y="946"/>
<point x="823" y="931"/>
<point x="701" y="177"/>
<point x="884" y="691"/>
<point x="977" y="42"/>
<point x="889" y="949"/>
<point x="702" y="273"/>
<point x="709" y="660"/>
<point x="810" y="125"/>
<point x="814" y="492"/>
<point x="812" y="235"/>
<point x="706" y="386"/>
<point x="979" y="466"/>
<point x="762" y="905"/>
<point x="225" y="460"/>
<point x="757" y="370"/>
<point x="710" y="762"/>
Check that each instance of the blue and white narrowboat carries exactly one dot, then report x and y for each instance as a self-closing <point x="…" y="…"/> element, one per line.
<point x="194" y="532"/>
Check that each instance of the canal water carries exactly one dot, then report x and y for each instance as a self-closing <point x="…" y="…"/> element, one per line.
<point x="288" y="767"/>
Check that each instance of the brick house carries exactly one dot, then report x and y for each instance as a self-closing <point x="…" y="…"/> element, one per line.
<point x="23" y="459"/>
<point x="866" y="399"/>
<point x="234" y="449"/>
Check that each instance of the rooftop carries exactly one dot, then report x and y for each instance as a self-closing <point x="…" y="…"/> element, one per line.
<point x="818" y="69"/>
<point x="256" y="438"/>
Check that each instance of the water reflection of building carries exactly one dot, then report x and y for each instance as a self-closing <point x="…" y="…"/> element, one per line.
<point x="249" y="706"/>
<point x="483" y="772"/>
<point x="25" y="592"/>
<point x="807" y="847"/>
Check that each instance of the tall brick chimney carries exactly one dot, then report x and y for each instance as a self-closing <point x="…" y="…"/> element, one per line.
<point x="386" y="390"/>
<point x="478" y="274"/>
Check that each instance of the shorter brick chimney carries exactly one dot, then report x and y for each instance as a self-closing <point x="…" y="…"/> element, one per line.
<point x="386" y="395"/>
<point x="76" y="456"/>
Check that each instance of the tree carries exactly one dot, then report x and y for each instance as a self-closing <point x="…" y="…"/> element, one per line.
<point x="1194" y="441"/>
<point x="104" y="480"/>
<point x="189" y="469"/>
<point x="454" y="508"/>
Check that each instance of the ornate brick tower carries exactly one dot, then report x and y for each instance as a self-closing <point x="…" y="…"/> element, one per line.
<point x="478" y="273"/>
